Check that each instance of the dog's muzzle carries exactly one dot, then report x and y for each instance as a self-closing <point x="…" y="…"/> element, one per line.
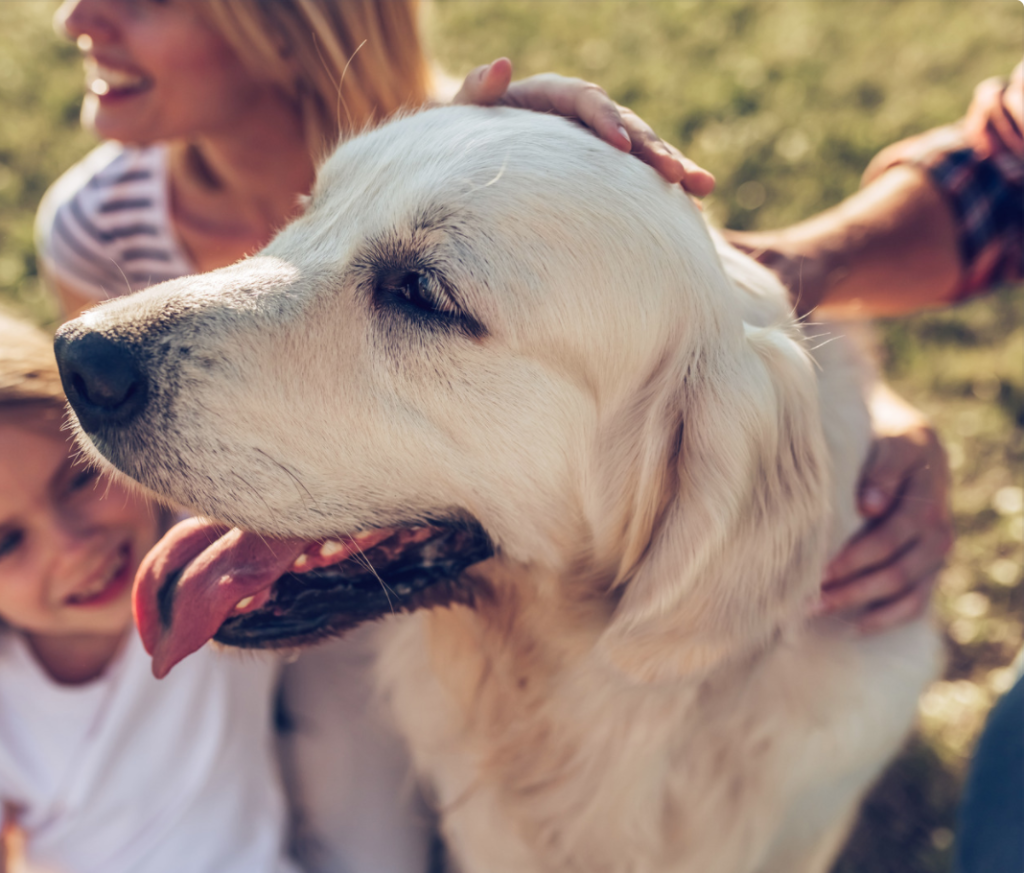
<point x="206" y="581"/>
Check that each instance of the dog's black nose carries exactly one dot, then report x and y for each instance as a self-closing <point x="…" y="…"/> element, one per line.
<point x="102" y="378"/>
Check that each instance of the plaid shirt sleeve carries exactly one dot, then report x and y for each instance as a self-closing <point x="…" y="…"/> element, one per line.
<point x="978" y="164"/>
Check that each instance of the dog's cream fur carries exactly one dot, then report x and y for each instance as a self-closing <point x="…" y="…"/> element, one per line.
<point x="633" y="417"/>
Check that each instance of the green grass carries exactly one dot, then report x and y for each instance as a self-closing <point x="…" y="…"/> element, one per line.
<point x="790" y="99"/>
<point x="795" y="95"/>
<point x="40" y="91"/>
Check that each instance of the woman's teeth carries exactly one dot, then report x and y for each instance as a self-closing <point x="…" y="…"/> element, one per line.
<point x="102" y="80"/>
<point x="100" y="585"/>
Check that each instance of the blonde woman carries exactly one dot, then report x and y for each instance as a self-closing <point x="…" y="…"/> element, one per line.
<point x="216" y="114"/>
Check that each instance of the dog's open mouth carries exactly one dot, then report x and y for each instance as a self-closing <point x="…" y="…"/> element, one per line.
<point x="205" y="581"/>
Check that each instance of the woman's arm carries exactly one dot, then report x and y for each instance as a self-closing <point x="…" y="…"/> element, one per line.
<point x="939" y="218"/>
<point x="890" y="249"/>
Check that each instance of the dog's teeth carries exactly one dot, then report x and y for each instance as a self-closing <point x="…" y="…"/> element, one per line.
<point x="331" y="548"/>
<point x="300" y="562"/>
<point x="244" y="602"/>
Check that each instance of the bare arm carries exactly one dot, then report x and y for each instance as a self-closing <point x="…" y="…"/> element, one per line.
<point x="890" y="249"/>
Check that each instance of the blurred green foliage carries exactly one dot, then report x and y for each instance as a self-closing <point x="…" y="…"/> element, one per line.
<point x="795" y="96"/>
<point x="40" y="92"/>
<point x="785" y="102"/>
<point x="41" y="85"/>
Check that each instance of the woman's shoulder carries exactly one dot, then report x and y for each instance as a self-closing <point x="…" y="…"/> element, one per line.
<point x="104" y="226"/>
<point x="101" y="174"/>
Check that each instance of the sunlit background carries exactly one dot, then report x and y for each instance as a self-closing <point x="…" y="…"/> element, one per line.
<point x="785" y="102"/>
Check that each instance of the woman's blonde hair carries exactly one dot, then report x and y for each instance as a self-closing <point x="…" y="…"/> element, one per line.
<point x="346" y="63"/>
<point x="29" y="379"/>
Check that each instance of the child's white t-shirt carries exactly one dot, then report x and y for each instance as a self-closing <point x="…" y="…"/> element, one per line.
<point x="129" y="774"/>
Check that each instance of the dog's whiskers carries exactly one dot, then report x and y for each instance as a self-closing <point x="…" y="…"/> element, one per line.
<point x="127" y="284"/>
<point x="831" y="339"/>
<point x="360" y="557"/>
<point x="294" y="477"/>
<point x="254" y="491"/>
<point x="341" y="103"/>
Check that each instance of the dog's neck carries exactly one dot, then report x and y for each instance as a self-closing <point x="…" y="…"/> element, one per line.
<point x="537" y="706"/>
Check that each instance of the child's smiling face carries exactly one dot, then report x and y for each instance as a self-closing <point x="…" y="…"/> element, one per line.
<point x="70" y="540"/>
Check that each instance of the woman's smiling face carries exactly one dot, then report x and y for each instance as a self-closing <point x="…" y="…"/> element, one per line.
<point x="157" y="70"/>
<point x="70" y="541"/>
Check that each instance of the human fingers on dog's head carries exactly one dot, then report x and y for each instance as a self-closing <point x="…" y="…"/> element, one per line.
<point x="671" y="163"/>
<point x="571" y="98"/>
<point x="589" y="103"/>
<point x="486" y="84"/>
<point x="615" y="124"/>
<point x="619" y="125"/>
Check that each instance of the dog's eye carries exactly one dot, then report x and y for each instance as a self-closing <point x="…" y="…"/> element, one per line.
<point x="421" y="291"/>
<point x="425" y="298"/>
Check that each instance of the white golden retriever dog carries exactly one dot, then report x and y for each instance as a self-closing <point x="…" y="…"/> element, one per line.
<point x="502" y="372"/>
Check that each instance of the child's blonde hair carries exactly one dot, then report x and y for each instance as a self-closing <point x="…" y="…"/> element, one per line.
<point x="345" y="63"/>
<point x="29" y="378"/>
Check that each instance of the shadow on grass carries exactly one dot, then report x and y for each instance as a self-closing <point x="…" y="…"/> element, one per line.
<point x="906" y="822"/>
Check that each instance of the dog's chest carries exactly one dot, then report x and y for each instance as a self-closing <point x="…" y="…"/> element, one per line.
<point x="546" y="764"/>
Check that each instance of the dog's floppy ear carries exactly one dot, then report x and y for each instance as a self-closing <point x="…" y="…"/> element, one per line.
<point x="740" y="546"/>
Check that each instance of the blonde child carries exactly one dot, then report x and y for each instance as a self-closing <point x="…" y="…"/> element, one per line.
<point x="103" y="769"/>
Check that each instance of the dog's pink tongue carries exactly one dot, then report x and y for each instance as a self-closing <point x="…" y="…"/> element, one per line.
<point x="221" y="567"/>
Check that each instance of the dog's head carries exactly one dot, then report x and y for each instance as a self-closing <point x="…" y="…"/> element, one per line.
<point x="489" y="331"/>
